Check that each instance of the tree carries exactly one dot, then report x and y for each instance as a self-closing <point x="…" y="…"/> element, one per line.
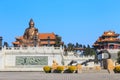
<point x="89" y="51"/>
<point x="84" y="46"/>
<point x="65" y="46"/>
<point x="118" y="54"/>
<point x="6" y="44"/>
<point x="88" y="46"/>
<point x="77" y="45"/>
<point x="118" y="59"/>
<point x="70" y="47"/>
<point x="58" y="41"/>
<point x="80" y="45"/>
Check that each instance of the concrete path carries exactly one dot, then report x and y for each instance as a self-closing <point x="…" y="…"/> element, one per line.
<point x="57" y="76"/>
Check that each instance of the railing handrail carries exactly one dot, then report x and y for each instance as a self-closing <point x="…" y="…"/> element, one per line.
<point x="33" y="48"/>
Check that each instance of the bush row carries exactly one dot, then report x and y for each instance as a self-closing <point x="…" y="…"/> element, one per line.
<point x="117" y="69"/>
<point x="60" y="69"/>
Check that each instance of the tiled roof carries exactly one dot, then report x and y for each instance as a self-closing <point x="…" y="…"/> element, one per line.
<point x="109" y="40"/>
<point x="95" y="44"/>
<point x="19" y="38"/>
<point x="47" y="35"/>
<point x="46" y="42"/>
<point x="16" y="42"/>
<point x="42" y="36"/>
<point x="110" y="33"/>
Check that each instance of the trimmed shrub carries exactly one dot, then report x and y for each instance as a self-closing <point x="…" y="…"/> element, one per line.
<point x="72" y="69"/>
<point x="60" y="68"/>
<point x="117" y="69"/>
<point x="47" y="69"/>
<point x="118" y="60"/>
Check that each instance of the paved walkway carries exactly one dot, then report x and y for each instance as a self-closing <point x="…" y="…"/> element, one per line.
<point x="57" y="76"/>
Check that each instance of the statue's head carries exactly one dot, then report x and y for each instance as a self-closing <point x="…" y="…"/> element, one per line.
<point x="36" y="30"/>
<point x="31" y="23"/>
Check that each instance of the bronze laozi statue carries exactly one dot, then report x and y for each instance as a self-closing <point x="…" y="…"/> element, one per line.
<point x="30" y="35"/>
<point x="31" y="31"/>
<point x="33" y="38"/>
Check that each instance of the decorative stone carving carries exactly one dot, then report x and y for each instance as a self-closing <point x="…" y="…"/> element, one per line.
<point x="110" y="65"/>
<point x="54" y="65"/>
<point x="31" y="60"/>
<point x="79" y="68"/>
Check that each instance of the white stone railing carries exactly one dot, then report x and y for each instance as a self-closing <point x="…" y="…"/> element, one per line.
<point x="72" y="55"/>
<point x="79" y="57"/>
<point x="33" y="49"/>
<point x="110" y="50"/>
<point x="113" y="50"/>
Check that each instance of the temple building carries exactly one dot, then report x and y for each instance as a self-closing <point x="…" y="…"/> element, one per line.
<point x="109" y="40"/>
<point x="32" y="37"/>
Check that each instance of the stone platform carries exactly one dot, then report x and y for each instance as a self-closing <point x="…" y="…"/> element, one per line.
<point x="57" y="76"/>
<point x="28" y="58"/>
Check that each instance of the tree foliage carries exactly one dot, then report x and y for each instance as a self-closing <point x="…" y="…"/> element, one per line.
<point x="118" y="54"/>
<point x="88" y="51"/>
<point x="58" y="41"/>
<point x="118" y="59"/>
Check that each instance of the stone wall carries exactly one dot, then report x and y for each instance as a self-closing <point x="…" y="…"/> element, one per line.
<point x="29" y="59"/>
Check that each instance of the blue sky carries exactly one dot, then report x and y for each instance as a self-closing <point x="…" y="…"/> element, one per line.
<point x="81" y="21"/>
